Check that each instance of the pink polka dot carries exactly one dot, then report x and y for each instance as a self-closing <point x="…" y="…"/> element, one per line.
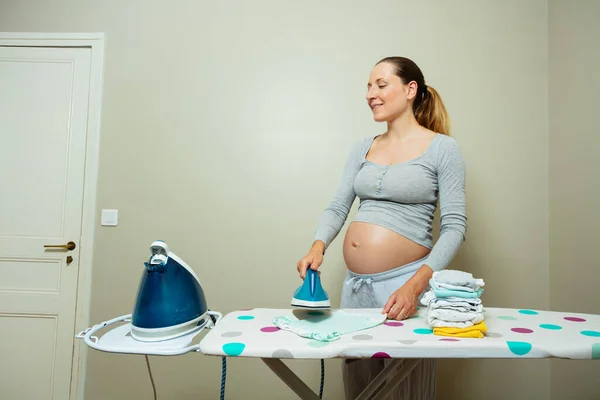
<point x="269" y="329"/>
<point x="575" y="319"/>
<point x="380" y="354"/>
<point x="393" y="323"/>
<point x="521" y="330"/>
<point x="449" y="340"/>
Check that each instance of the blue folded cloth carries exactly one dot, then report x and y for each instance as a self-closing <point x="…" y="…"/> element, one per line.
<point x="441" y="292"/>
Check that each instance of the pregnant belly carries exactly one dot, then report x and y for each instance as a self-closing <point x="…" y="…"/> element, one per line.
<point x="369" y="249"/>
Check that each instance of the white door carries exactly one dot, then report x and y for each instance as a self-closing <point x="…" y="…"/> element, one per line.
<point x="43" y="118"/>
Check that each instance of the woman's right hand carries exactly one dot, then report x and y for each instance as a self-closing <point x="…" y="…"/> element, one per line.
<point x="313" y="259"/>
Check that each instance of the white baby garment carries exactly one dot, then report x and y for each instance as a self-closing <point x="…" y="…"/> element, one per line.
<point x="442" y="317"/>
<point x="327" y="326"/>
<point x="459" y="305"/>
<point x="457" y="278"/>
<point x="447" y="286"/>
<point x="427" y="298"/>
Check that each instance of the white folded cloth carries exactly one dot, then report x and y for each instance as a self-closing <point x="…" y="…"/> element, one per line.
<point x="440" y="317"/>
<point x="457" y="280"/>
<point x="458" y="305"/>
<point x="447" y="286"/>
<point x="427" y="298"/>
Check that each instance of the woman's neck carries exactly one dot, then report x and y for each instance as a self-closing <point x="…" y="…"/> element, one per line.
<point x="403" y="127"/>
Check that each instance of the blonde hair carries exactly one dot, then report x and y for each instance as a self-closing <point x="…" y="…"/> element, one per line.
<point x="428" y="107"/>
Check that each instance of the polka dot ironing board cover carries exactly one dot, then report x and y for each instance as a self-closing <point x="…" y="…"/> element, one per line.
<point x="511" y="333"/>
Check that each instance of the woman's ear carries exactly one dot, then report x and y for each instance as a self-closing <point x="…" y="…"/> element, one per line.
<point x="412" y="90"/>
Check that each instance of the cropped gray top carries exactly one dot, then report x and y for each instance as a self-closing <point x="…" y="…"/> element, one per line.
<point x="403" y="197"/>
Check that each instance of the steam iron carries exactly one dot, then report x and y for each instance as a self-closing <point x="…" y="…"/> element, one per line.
<point x="170" y="301"/>
<point x="311" y="294"/>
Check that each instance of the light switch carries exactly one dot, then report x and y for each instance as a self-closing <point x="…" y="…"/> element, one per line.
<point x="109" y="217"/>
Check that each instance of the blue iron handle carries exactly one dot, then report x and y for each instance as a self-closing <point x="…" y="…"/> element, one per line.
<point x="312" y="276"/>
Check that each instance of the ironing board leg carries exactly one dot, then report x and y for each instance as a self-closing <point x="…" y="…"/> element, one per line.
<point x="397" y="378"/>
<point x="290" y="379"/>
<point x="379" y="380"/>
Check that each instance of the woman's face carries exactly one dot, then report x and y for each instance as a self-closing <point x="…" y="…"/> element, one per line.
<point x="387" y="96"/>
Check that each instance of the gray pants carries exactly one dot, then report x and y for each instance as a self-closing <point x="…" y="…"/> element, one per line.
<point x="373" y="291"/>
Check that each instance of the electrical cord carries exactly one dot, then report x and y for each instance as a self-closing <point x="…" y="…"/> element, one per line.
<point x="224" y="374"/>
<point x="223" y="366"/>
<point x="223" y="371"/>
<point x="322" y="378"/>
<point x="150" y="374"/>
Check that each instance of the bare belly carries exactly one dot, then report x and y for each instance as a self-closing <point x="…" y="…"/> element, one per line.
<point x="369" y="249"/>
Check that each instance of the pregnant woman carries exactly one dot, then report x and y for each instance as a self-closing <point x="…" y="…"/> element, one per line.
<point x="399" y="176"/>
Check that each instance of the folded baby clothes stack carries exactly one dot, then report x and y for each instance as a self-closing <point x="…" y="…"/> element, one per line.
<point x="454" y="304"/>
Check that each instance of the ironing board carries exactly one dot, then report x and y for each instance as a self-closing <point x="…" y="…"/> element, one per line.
<point x="512" y="333"/>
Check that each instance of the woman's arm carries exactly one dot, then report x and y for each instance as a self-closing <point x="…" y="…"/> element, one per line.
<point x="452" y="200"/>
<point x="453" y="218"/>
<point x="336" y="213"/>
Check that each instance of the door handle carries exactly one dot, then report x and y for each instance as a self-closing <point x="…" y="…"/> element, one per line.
<point x="68" y="246"/>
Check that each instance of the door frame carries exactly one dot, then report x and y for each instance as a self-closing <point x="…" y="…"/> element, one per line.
<point x="94" y="41"/>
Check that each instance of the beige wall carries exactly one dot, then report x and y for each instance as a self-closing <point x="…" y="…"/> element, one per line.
<point x="247" y="111"/>
<point x="574" y="183"/>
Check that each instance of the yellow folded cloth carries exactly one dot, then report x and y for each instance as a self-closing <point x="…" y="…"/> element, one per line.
<point x="475" y="331"/>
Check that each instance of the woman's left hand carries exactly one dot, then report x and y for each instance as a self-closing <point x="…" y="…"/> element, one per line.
<point x="403" y="303"/>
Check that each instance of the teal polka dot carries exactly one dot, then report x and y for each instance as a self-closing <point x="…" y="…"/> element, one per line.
<point x="423" y="331"/>
<point x="245" y="317"/>
<point x="317" y="343"/>
<point x="233" y="349"/>
<point x="528" y="312"/>
<point x="551" y="327"/>
<point x="591" y="333"/>
<point x="519" y="348"/>
<point x="507" y="318"/>
<point x="596" y="351"/>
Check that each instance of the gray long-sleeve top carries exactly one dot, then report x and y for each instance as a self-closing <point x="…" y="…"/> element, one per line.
<point x="403" y="197"/>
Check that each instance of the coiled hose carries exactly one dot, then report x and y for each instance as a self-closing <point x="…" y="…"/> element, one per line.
<point x="223" y="366"/>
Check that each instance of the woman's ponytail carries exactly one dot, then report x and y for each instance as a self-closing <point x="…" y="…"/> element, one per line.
<point x="431" y="112"/>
